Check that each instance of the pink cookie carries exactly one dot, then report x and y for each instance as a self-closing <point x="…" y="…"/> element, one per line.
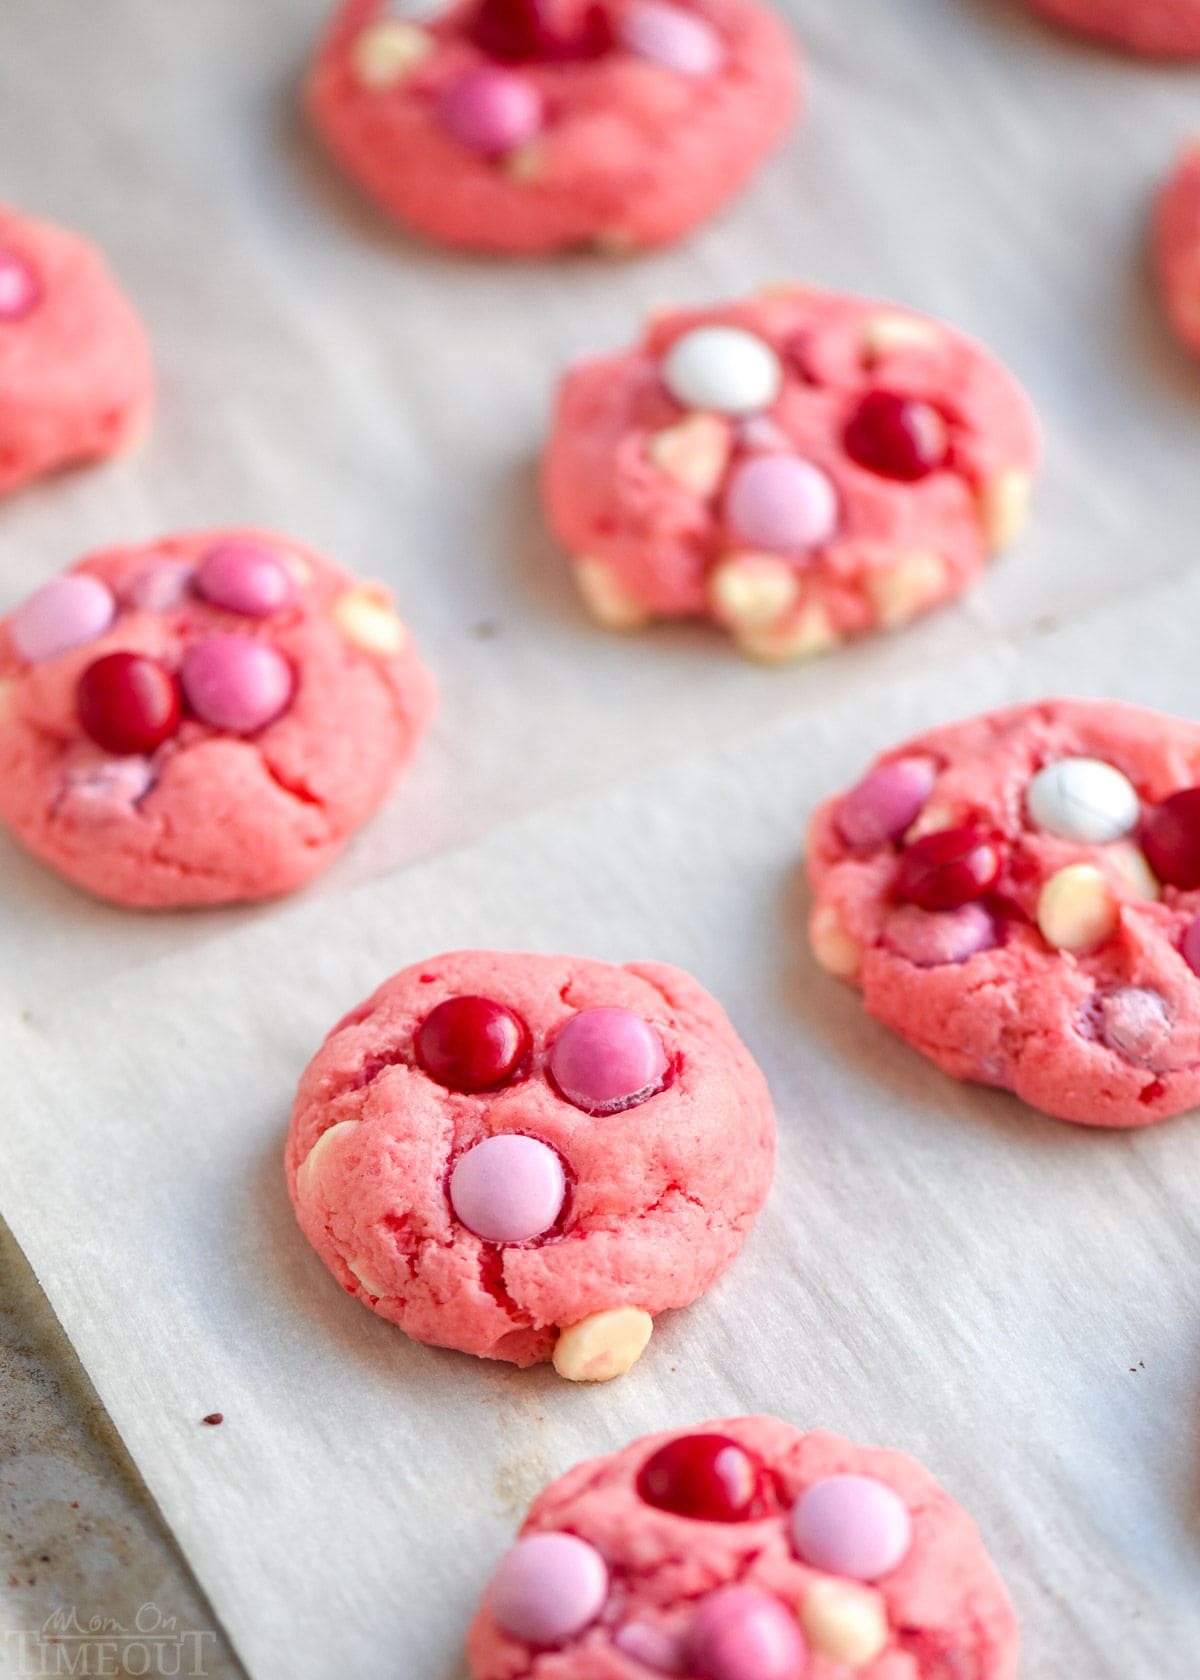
<point x="203" y="719"/>
<point x="1155" y="28"/>
<point x="75" y="377"/>
<point x="1177" y="245"/>
<point x="1023" y="908"/>
<point x="800" y="468"/>
<point x="528" y="1157"/>
<point x="529" y="126"/>
<point x="745" y="1550"/>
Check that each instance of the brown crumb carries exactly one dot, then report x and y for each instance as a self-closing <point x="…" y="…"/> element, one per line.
<point x="214" y="1418"/>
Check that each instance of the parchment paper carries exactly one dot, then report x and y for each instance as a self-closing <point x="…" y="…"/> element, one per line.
<point x="1011" y="1299"/>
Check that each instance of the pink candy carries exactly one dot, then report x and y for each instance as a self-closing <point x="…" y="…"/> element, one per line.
<point x="245" y="577"/>
<point x="781" y="503"/>
<point x="492" y="110"/>
<point x="673" y="38"/>
<point x="1133" y="1021"/>
<point x="66" y="613"/>
<point x="236" y="683"/>
<point x="548" y="1588"/>
<point x="161" y="587"/>
<point x="885" y="803"/>
<point x="931" y="937"/>
<point x="739" y="1633"/>
<point x="20" y="289"/>
<point x="853" y="1526"/>
<point x="651" y="1646"/>
<point x="508" y="1189"/>
<point x="607" y="1059"/>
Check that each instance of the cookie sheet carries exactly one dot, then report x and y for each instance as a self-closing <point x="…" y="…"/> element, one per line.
<point x="1011" y="1299"/>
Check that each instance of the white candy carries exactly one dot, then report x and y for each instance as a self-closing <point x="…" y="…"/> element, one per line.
<point x="1083" y="799"/>
<point x="604" y="1345"/>
<point x="725" y="369"/>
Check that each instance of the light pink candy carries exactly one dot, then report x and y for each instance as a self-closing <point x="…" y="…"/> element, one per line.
<point x="851" y="1525"/>
<point x="20" y="289"/>
<point x="781" y="503"/>
<point x="885" y="803"/>
<point x="548" y="1588"/>
<point x="739" y="1633"/>
<point x="1135" y="1022"/>
<point x="111" y="787"/>
<point x="604" y="1059"/>
<point x="236" y="683"/>
<point x="676" y="39"/>
<point x="161" y="587"/>
<point x="245" y="577"/>
<point x="651" y="1646"/>
<point x="508" y="1189"/>
<point x="66" y="613"/>
<point x="492" y="110"/>
<point x="931" y="937"/>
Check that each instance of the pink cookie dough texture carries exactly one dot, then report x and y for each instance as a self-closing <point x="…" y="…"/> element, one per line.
<point x="625" y="145"/>
<point x="1153" y="28"/>
<point x="208" y="815"/>
<point x="659" y="1195"/>
<point x="1177" y="245"/>
<point x="1067" y="978"/>
<point x="712" y="477"/>
<point x="941" y="1613"/>
<point x="76" y="382"/>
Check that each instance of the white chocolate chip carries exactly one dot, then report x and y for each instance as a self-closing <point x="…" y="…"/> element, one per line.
<point x="308" y="1173"/>
<point x="752" y="591"/>
<point x="606" y="597"/>
<point x="810" y="634"/>
<point x="526" y="163"/>
<point x="1133" y="871"/>
<point x="388" y="51"/>
<point x="846" y="1623"/>
<point x="890" y="331"/>
<point x="832" y="946"/>
<point x="604" y="1345"/>
<point x="903" y="590"/>
<point x="359" y="1270"/>
<point x="365" y="617"/>
<point x="694" y="453"/>
<point x="933" y="819"/>
<point x="1076" y="909"/>
<point x="1004" y="507"/>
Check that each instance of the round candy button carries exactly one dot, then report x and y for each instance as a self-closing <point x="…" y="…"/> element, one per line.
<point x="471" y="1043"/>
<point x="20" y="289"/>
<point x="1171" y="839"/>
<point x="236" y="683"/>
<point x="245" y="577"/>
<point x="128" y="703"/>
<point x="548" y="1588"/>
<point x="929" y="938"/>
<point x="650" y="1645"/>
<point x="668" y="36"/>
<point x="709" y="1477"/>
<point x="1083" y="799"/>
<point x="897" y="437"/>
<point x="64" y="614"/>
<point x="508" y="1189"/>
<point x="739" y="1633"/>
<point x="885" y="803"/>
<point x="607" y="1059"/>
<point x="725" y="369"/>
<point x="782" y="504"/>
<point x="853" y="1526"/>
<point x="948" y="868"/>
<point x="492" y="110"/>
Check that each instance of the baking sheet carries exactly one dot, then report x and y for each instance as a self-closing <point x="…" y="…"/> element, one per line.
<point x="1013" y="1300"/>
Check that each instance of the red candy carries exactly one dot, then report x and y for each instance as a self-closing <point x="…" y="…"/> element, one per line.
<point x="471" y="1043"/>
<point x="521" y="30"/>
<point x="708" y="1477"/>
<point x="1171" y="839"/>
<point x="897" y="437"/>
<point x="944" y="870"/>
<point x="128" y="703"/>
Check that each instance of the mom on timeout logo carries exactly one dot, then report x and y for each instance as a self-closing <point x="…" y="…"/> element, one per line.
<point x="68" y="1643"/>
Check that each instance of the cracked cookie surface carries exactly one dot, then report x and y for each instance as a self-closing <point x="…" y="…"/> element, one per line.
<point x="527" y="1157"/>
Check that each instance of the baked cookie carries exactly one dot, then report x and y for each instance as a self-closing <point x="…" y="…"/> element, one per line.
<point x="1156" y="28"/>
<point x="528" y="1157"/>
<point x="1177" y="245"/>
<point x="800" y="468"/>
<point x="204" y="718"/>
<point x="528" y="126"/>
<point x="76" y="382"/>
<point x="1018" y="897"/>
<point x="746" y="1550"/>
